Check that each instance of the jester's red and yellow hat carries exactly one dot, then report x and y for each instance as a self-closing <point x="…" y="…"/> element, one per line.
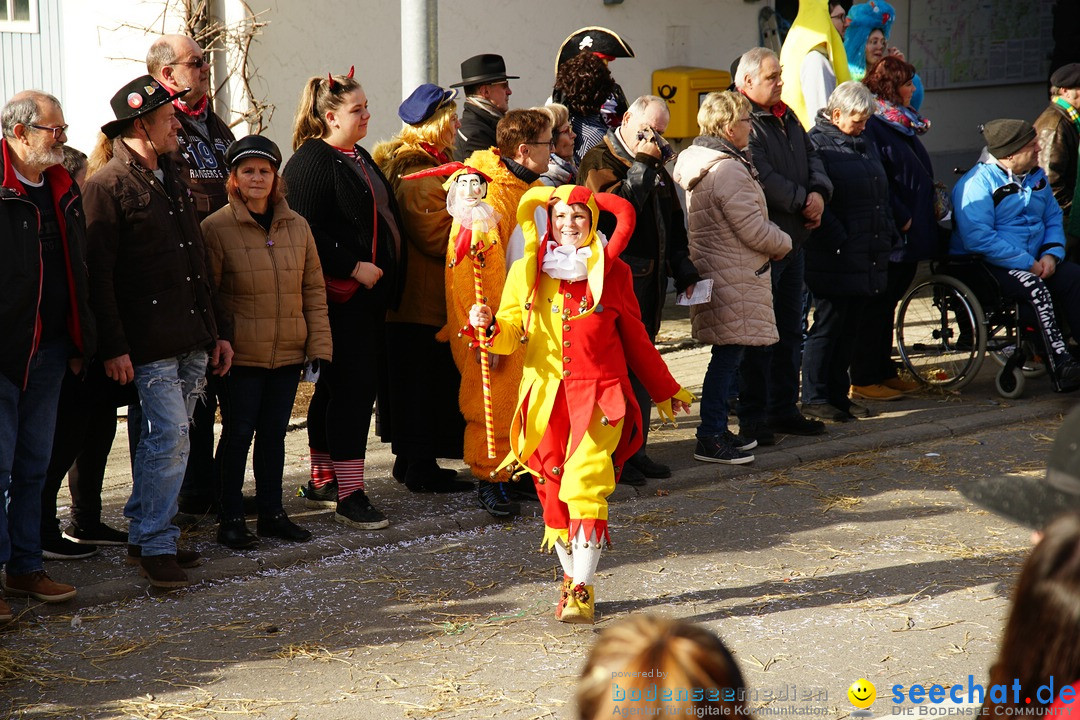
<point x="602" y="255"/>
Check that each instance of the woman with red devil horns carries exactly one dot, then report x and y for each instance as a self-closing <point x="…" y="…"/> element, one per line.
<point x="570" y="301"/>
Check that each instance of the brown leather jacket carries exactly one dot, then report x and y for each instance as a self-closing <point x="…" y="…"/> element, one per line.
<point x="149" y="286"/>
<point x="270" y="286"/>
<point x="1058" y="141"/>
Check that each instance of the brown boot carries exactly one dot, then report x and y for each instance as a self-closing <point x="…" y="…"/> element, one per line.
<point x="39" y="586"/>
<point x="6" y="615"/>
<point x="184" y="558"/>
<point x="162" y="571"/>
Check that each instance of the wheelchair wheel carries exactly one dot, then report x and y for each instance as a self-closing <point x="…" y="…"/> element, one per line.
<point x="1034" y="364"/>
<point x="941" y="332"/>
<point x="1010" y="383"/>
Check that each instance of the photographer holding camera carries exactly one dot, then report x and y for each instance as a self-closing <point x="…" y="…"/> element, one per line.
<point x="630" y="163"/>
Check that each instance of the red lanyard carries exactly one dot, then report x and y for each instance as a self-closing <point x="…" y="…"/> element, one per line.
<point x="374" y="210"/>
<point x="371" y="188"/>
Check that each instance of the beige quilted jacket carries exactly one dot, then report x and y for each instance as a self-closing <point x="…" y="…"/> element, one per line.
<point x="731" y="242"/>
<point x="271" y="285"/>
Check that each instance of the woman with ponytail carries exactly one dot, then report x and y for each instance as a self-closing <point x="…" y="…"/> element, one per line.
<point x="336" y="186"/>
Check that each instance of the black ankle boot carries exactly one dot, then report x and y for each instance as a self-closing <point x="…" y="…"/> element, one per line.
<point x="234" y="534"/>
<point x="280" y="526"/>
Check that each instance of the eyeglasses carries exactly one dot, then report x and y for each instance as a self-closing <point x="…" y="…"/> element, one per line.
<point x="549" y="143"/>
<point x="745" y="119"/>
<point x="56" y="131"/>
<point x="842" y="17"/>
<point x="196" y="63"/>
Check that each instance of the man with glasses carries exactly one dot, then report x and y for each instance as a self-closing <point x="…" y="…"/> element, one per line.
<point x="487" y="98"/>
<point x="630" y="163"/>
<point x="178" y="62"/>
<point x="45" y="322"/>
<point x="524" y="147"/>
<point x="839" y="17"/>
<point x="796" y="190"/>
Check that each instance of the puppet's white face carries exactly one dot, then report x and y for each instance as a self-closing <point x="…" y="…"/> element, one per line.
<point x="471" y="189"/>
<point x="571" y="223"/>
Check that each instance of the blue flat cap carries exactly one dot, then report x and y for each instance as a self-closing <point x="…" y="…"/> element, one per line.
<point x="423" y="103"/>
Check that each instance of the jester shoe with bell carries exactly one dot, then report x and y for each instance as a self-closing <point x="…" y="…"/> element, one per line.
<point x="580" y="605"/>
<point x="564" y="593"/>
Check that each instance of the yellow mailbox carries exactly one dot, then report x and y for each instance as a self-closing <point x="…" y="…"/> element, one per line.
<point x="684" y="88"/>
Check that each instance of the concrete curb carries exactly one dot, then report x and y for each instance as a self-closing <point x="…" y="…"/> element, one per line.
<point x="685" y="477"/>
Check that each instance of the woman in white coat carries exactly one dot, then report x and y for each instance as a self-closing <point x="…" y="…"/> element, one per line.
<point x="731" y="243"/>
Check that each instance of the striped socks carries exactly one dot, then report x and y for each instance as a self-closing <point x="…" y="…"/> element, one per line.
<point x="322" y="468"/>
<point x="350" y="477"/>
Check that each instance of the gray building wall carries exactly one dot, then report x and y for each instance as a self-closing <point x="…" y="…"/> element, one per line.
<point x="34" y="60"/>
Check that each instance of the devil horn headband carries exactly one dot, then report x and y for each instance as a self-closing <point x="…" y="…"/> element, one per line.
<point x="334" y="83"/>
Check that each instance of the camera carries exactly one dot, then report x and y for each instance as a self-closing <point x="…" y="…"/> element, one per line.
<point x="649" y="135"/>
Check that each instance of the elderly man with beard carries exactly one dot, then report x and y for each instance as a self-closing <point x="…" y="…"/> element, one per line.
<point x="45" y="322"/>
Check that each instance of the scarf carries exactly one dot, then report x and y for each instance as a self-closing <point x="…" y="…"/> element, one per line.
<point x="434" y="152"/>
<point x="195" y="110"/>
<point x="904" y="119"/>
<point x="777" y="110"/>
<point x="563" y="262"/>
<point x="560" y="172"/>
<point x="1069" y="110"/>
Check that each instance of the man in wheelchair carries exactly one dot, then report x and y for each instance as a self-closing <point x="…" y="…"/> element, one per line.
<point x="1005" y="211"/>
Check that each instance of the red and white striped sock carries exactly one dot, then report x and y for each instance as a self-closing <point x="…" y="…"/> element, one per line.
<point x="322" y="468"/>
<point x="350" y="477"/>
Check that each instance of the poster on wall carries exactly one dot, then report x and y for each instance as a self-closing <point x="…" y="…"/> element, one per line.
<point x="966" y="43"/>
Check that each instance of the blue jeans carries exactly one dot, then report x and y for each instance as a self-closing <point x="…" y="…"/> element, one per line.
<point x="168" y="390"/>
<point x="255" y="403"/>
<point x="723" y="366"/>
<point x="769" y="376"/>
<point x="27" y="420"/>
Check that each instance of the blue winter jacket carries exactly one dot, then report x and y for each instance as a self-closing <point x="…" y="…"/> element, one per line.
<point x="1011" y="225"/>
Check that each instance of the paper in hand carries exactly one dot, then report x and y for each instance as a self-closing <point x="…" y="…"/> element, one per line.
<point x="702" y="294"/>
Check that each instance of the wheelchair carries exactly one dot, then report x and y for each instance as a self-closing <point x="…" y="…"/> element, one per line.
<point x="953" y="317"/>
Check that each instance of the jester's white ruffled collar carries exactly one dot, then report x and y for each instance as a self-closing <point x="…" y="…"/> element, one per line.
<point x="564" y="262"/>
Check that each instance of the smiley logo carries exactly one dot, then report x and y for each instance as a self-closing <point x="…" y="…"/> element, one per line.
<point x="862" y="693"/>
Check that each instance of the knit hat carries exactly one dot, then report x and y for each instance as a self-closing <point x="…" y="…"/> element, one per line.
<point x="1066" y="76"/>
<point x="1006" y="136"/>
<point x="1034" y="502"/>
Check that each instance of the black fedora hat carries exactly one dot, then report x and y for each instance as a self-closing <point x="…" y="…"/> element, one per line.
<point x="142" y="95"/>
<point x="595" y="39"/>
<point x="483" y="69"/>
<point x="1035" y="501"/>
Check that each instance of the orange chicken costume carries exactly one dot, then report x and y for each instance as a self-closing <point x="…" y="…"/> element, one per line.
<point x="504" y="192"/>
<point x="576" y="420"/>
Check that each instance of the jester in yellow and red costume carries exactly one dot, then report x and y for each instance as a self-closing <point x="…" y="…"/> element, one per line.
<point x="576" y="420"/>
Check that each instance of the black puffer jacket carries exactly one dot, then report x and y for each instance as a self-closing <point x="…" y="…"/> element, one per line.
<point x="788" y="168"/>
<point x="21" y="271"/>
<point x="849" y="254"/>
